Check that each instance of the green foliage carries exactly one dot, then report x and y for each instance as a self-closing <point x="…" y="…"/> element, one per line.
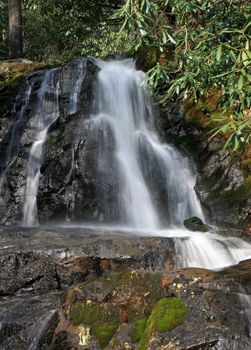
<point x="60" y="30"/>
<point x="198" y="45"/>
<point x="56" y="31"/>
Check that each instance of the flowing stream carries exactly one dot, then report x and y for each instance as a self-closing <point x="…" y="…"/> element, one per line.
<point x="47" y="114"/>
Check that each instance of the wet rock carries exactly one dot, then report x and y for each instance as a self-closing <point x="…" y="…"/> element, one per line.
<point x="64" y="340"/>
<point x="109" y="287"/>
<point x="61" y="183"/>
<point x="222" y="184"/>
<point x="27" y="271"/>
<point x="41" y="261"/>
<point x="28" y="322"/>
<point x="196" y="224"/>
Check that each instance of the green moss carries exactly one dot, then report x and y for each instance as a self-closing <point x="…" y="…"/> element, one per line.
<point x="103" y="319"/>
<point x="138" y="330"/>
<point x="85" y="313"/>
<point x="127" y="284"/>
<point x="167" y="314"/>
<point x="104" y="332"/>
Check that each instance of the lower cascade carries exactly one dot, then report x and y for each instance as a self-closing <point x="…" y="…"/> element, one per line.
<point x="137" y="183"/>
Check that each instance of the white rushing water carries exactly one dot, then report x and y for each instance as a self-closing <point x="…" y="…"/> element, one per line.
<point x="246" y="303"/>
<point x="124" y="107"/>
<point x="122" y="124"/>
<point x="47" y="113"/>
<point x="76" y="81"/>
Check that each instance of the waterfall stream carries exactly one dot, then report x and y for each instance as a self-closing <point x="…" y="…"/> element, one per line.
<point x="76" y="81"/>
<point x="151" y="183"/>
<point x="47" y="113"/>
<point x="124" y="107"/>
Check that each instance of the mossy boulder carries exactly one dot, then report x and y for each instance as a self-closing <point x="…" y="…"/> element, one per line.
<point x="104" y="332"/>
<point x="103" y="319"/>
<point x="196" y="224"/>
<point x="105" y="303"/>
<point x="167" y="314"/>
<point x="138" y="330"/>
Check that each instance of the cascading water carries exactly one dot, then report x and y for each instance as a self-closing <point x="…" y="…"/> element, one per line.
<point x="246" y="303"/>
<point x="143" y="185"/>
<point x="76" y="82"/>
<point x="123" y="107"/>
<point x="123" y="116"/>
<point x="47" y="114"/>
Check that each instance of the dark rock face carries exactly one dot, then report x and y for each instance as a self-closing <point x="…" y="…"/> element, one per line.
<point x="222" y="186"/>
<point x="66" y="187"/>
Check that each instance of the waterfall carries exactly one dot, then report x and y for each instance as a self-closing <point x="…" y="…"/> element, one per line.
<point x="123" y="109"/>
<point x="245" y="301"/>
<point x="123" y="123"/>
<point x="76" y="82"/>
<point x="47" y="113"/>
<point x="139" y="183"/>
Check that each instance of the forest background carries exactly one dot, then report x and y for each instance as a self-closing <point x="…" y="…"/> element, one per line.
<point x="192" y="50"/>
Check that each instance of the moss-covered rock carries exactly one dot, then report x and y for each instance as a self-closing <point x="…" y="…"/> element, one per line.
<point x="138" y="330"/>
<point x="104" y="332"/>
<point x="104" y="303"/>
<point x="196" y="224"/>
<point x="85" y="313"/>
<point x="167" y="314"/>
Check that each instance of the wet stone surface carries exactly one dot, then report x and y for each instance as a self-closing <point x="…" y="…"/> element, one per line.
<point x="86" y="289"/>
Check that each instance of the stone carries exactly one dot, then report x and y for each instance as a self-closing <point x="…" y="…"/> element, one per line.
<point x="196" y="224"/>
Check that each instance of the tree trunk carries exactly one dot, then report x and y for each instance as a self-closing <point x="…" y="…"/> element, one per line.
<point x="15" y="29"/>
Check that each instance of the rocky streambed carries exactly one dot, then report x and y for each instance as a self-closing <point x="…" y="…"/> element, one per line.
<point x="85" y="288"/>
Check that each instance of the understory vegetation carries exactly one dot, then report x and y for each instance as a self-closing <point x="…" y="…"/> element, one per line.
<point x="193" y="50"/>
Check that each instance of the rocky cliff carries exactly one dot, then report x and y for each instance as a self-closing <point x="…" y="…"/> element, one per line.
<point x="68" y="189"/>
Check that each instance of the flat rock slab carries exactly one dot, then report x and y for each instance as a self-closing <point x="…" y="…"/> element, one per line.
<point x="91" y="241"/>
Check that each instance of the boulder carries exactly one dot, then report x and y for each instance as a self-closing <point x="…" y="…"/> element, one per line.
<point x="196" y="224"/>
